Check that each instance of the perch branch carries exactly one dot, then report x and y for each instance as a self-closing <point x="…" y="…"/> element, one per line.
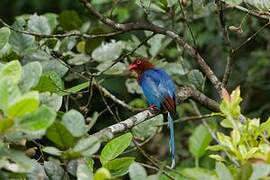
<point x="183" y="94"/>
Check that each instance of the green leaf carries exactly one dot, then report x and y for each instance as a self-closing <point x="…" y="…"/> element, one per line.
<point x="83" y="172"/>
<point x="115" y="147"/>
<point x="4" y="36"/>
<point x="70" y="20"/>
<point x="260" y="171"/>
<point x="21" y="43"/>
<point x="102" y="174"/>
<point x="31" y="73"/>
<point x="137" y="172"/>
<point x="41" y="119"/>
<point x="196" y="78"/>
<point x="231" y="107"/>
<point x="51" y="82"/>
<point x="118" y="68"/>
<point x="54" y="170"/>
<point x="12" y="71"/>
<point x="223" y="172"/>
<point x="217" y="157"/>
<point x="38" y="24"/>
<point x="74" y="89"/>
<point x="21" y="164"/>
<point x="87" y="146"/>
<point x="78" y="59"/>
<point x="199" y="141"/>
<point x="199" y="174"/>
<point x="245" y="172"/>
<point x="51" y="100"/>
<point x="52" y="150"/>
<point x="155" y="44"/>
<point x="75" y="123"/>
<point x="108" y="51"/>
<point x="52" y="20"/>
<point x="4" y="94"/>
<point x="234" y="2"/>
<point x="58" y="134"/>
<point x="27" y="103"/>
<point x="151" y="125"/>
<point x="133" y="86"/>
<point x="119" y="166"/>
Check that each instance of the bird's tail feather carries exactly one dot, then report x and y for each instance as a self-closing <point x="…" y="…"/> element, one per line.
<point x="172" y="145"/>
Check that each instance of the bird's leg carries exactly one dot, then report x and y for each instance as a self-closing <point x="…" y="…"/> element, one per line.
<point x="153" y="108"/>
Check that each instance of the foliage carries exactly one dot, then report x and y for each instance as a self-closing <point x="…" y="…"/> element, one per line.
<point x="60" y="77"/>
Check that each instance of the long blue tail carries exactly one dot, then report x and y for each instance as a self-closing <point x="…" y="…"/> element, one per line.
<point x="172" y="145"/>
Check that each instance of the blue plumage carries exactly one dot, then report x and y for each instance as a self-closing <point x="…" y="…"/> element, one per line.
<point x="160" y="90"/>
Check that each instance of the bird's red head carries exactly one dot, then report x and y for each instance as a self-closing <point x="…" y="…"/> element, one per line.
<point x="140" y="65"/>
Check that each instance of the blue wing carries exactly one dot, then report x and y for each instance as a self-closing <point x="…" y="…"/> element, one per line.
<point x="156" y="85"/>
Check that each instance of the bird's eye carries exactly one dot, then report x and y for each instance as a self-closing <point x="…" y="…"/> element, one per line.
<point x="139" y="62"/>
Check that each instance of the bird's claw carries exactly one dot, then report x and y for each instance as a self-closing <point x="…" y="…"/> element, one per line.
<point x="153" y="108"/>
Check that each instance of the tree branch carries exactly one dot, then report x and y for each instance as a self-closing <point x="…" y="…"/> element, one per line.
<point x="183" y="94"/>
<point x="126" y="27"/>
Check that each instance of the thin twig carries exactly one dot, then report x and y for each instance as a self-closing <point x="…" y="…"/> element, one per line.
<point x="69" y="34"/>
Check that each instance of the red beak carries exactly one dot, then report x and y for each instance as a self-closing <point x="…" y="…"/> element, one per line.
<point x="132" y="66"/>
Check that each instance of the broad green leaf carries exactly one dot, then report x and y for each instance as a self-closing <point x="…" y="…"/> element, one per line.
<point x="52" y="20"/>
<point x="155" y="44"/>
<point x="223" y="172"/>
<point x="4" y="94"/>
<point x="38" y="120"/>
<point x="38" y="24"/>
<point x="119" y="166"/>
<point x="12" y="71"/>
<point x="27" y="103"/>
<point x="87" y="146"/>
<point x="31" y="73"/>
<point x="4" y="36"/>
<point x="21" y="43"/>
<point x="199" y="174"/>
<point x="118" y="68"/>
<point x="67" y="44"/>
<point x="21" y="164"/>
<point x="199" y="141"/>
<point x="83" y="172"/>
<point x="58" y="134"/>
<point x="234" y="2"/>
<point x="151" y="125"/>
<point x="52" y="150"/>
<point x="51" y="100"/>
<point x="260" y="171"/>
<point x="137" y="172"/>
<point x="224" y="140"/>
<point x="263" y="5"/>
<point x="54" y="170"/>
<point x="196" y="78"/>
<point x="70" y="20"/>
<point x="108" y="51"/>
<point x="74" y="122"/>
<point x="78" y="59"/>
<point x="48" y="62"/>
<point x="115" y="147"/>
<point x="102" y="174"/>
<point x="133" y="86"/>
<point x="245" y="172"/>
<point x="51" y="82"/>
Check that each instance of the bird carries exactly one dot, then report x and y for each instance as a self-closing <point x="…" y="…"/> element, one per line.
<point x="159" y="90"/>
